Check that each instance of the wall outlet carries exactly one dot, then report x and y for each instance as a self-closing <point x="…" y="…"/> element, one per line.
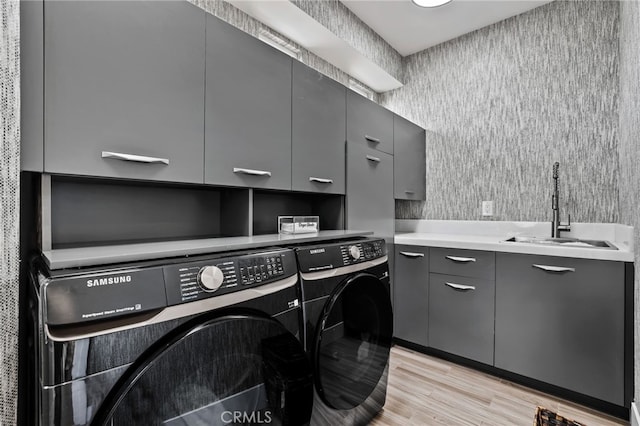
<point x="487" y="208"/>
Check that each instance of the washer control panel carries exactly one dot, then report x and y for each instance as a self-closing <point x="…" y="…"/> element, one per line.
<point x="362" y="251"/>
<point x="336" y="255"/>
<point x="209" y="278"/>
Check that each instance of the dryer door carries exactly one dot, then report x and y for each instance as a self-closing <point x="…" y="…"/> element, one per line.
<point x="216" y="369"/>
<point x="353" y="341"/>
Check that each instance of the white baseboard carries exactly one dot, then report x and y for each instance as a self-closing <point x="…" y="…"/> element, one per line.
<point x="635" y="416"/>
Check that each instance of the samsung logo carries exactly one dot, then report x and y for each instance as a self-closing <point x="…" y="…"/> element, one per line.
<point x="316" y="251"/>
<point x="109" y="281"/>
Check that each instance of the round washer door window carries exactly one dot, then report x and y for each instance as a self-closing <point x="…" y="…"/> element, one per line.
<point x="353" y="341"/>
<point x="230" y="369"/>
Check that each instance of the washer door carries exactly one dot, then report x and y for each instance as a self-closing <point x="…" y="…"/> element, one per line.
<point x="353" y="341"/>
<point x="215" y="369"/>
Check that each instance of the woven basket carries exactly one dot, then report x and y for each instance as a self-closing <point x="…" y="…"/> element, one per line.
<point x="546" y="417"/>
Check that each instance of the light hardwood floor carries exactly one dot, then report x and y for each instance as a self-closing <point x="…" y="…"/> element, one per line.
<point x="424" y="390"/>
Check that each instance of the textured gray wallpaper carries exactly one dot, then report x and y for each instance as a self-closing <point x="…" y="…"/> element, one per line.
<point x="9" y="206"/>
<point x="629" y="145"/>
<point x="507" y="101"/>
<point x="239" y="19"/>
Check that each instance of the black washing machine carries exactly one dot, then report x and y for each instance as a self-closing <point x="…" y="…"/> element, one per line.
<point x="206" y="340"/>
<point x="348" y="327"/>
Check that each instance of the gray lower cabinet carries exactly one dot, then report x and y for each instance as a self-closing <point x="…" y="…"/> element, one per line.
<point x="409" y="160"/>
<point x="318" y="132"/>
<point x="370" y="203"/>
<point x="368" y="123"/>
<point x="411" y="294"/>
<point x="31" y="89"/>
<point x="248" y="110"/>
<point x="461" y="316"/>
<point x="561" y="321"/>
<point x="124" y="84"/>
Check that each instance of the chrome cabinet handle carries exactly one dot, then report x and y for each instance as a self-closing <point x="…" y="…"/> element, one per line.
<point x="372" y="158"/>
<point x="460" y="286"/>
<point x="320" y="180"/>
<point x="549" y="268"/>
<point x="406" y="191"/>
<point x="135" y="158"/>
<point x="411" y="254"/>
<point x="251" y="172"/>
<point x="461" y="259"/>
<point x="372" y="139"/>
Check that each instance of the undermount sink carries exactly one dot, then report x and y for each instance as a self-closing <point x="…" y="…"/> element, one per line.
<point x="564" y="242"/>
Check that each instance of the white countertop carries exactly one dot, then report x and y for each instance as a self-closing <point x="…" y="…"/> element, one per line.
<point x="490" y="236"/>
<point x="103" y="255"/>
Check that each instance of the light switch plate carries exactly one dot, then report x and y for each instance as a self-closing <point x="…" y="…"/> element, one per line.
<point x="487" y="208"/>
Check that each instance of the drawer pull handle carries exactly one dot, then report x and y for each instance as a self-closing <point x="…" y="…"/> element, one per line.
<point x="411" y="254"/>
<point x="134" y="158"/>
<point x="320" y="180"/>
<point x="406" y="191"/>
<point x="549" y="268"/>
<point x="372" y="158"/>
<point x="251" y="172"/>
<point x="460" y="286"/>
<point x="372" y="139"/>
<point x="461" y="259"/>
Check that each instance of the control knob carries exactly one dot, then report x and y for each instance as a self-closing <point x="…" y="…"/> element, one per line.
<point x="354" y="252"/>
<point x="210" y="278"/>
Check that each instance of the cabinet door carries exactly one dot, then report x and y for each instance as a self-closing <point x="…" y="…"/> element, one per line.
<point x="368" y="123"/>
<point x="248" y="110"/>
<point x="318" y="132"/>
<point x="370" y="204"/>
<point x="31" y="88"/>
<point x="562" y="326"/>
<point x="124" y="84"/>
<point x="411" y="294"/>
<point x="461" y="316"/>
<point x="409" y="162"/>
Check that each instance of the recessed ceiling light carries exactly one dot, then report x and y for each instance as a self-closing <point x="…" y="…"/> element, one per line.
<point x="430" y="3"/>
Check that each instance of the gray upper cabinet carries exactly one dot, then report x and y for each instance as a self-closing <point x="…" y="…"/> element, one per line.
<point x="409" y="162"/>
<point x="368" y="123"/>
<point x="370" y="204"/>
<point x="31" y="88"/>
<point x="411" y="294"/>
<point x="248" y="110"/>
<point x="318" y="132"/>
<point x="561" y="321"/>
<point x="124" y="84"/>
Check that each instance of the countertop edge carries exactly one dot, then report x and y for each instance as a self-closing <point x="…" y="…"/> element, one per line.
<point x="105" y="255"/>
<point x="623" y="254"/>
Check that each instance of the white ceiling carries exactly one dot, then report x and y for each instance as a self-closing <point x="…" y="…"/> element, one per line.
<point x="410" y="29"/>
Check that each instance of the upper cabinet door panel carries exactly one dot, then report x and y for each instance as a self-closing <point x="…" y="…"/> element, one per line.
<point x="124" y="84"/>
<point x="318" y="132"/>
<point x="248" y="110"/>
<point x="368" y="123"/>
<point x="409" y="162"/>
<point x="31" y="89"/>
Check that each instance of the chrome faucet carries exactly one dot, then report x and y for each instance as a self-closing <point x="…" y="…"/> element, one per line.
<point x="556" y="224"/>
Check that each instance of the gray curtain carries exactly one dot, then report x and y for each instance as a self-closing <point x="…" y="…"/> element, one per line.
<point x="9" y="206"/>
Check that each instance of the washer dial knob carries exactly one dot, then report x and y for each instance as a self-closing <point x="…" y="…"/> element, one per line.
<point x="354" y="252"/>
<point x="210" y="278"/>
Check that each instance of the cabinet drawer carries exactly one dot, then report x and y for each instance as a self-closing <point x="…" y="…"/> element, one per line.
<point x="368" y="123"/>
<point x="466" y="263"/>
<point x="411" y="293"/>
<point x="461" y="316"/>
